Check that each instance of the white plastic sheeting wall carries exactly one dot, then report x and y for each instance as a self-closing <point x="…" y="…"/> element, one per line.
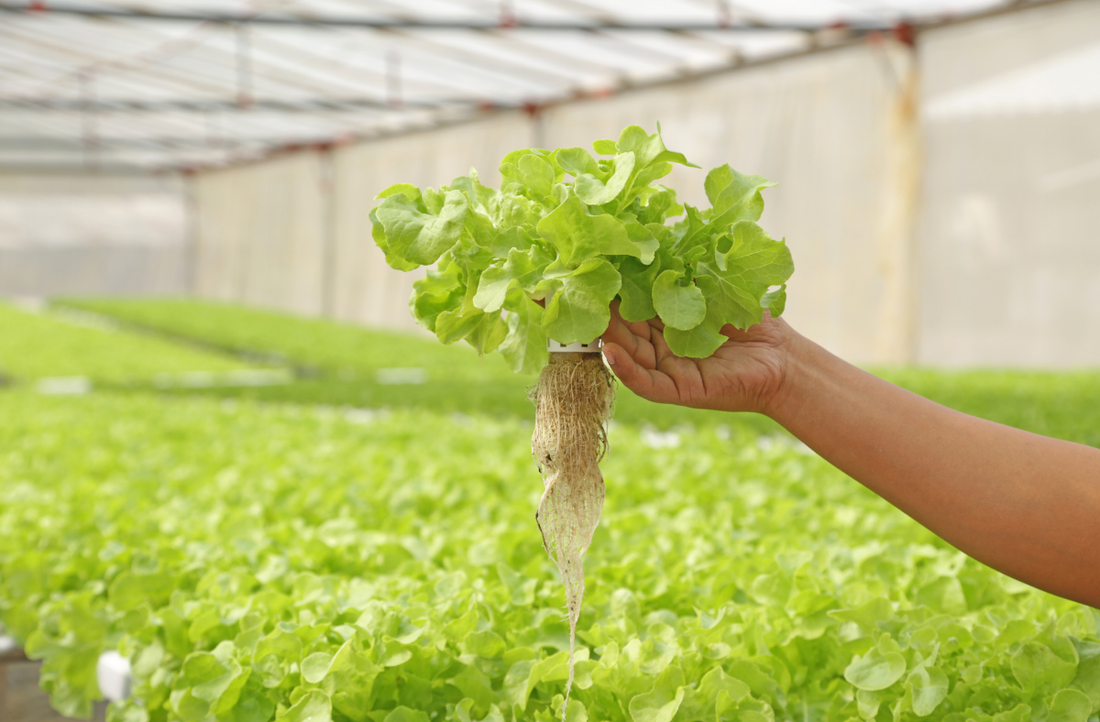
<point x="92" y="234"/>
<point x="262" y="233"/>
<point x="1010" y="221"/>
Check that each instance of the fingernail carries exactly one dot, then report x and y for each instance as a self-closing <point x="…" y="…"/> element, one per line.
<point x="609" y="356"/>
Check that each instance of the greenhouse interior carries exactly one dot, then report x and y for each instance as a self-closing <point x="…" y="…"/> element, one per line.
<point x="801" y="295"/>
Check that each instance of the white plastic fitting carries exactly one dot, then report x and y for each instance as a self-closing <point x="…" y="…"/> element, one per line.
<point x="112" y="671"/>
<point x="113" y="674"/>
<point x="555" y="347"/>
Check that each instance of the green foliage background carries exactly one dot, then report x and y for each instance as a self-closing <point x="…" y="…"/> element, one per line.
<point x="260" y="558"/>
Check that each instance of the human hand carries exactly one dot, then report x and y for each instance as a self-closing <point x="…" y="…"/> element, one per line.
<point x="744" y="374"/>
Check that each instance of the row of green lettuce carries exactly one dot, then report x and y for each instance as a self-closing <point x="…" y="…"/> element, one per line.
<point x="295" y="563"/>
<point x="195" y="347"/>
<point x="38" y="342"/>
<point x="343" y="364"/>
<point x="314" y="345"/>
<point x="339" y="364"/>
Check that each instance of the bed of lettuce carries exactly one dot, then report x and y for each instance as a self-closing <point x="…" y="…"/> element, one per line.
<point x="64" y="342"/>
<point x="261" y="561"/>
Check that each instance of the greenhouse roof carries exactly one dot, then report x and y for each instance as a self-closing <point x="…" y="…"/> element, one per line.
<point x="155" y="86"/>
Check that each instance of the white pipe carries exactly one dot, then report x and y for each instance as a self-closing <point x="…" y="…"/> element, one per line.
<point x="114" y="675"/>
<point x="112" y="671"/>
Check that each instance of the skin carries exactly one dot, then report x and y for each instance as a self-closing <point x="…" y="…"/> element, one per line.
<point x="1024" y="504"/>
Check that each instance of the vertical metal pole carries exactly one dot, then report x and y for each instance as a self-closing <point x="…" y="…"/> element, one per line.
<point x="215" y="138"/>
<point x="393" y="80"/>
<point x="328" y="211"/>
<point x="538" y="130"/>
<point x="244" y="67"/>
<point x="725" y="14"/>
<point x="898" y="335"/>
<point x="89" y="129"/>
<point x="538" y="125"/>
<point x="192" y="238"/>
<point x="507" y="14"/>
<point x="210" y="125"/>
<point x="244" y="100"/>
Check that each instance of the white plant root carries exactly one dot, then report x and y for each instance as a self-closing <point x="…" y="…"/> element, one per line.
<point x="573" y="401"/>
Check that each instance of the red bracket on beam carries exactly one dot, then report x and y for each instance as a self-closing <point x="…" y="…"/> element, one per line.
<point x="906" y="34"/>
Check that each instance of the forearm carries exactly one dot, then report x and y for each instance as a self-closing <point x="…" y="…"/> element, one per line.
<point x="1024" y="504"/>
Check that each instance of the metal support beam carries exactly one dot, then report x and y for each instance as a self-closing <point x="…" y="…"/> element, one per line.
<point x="109" y="143"/>
<point x="88" y="119"/>
<point x="725" y="14"/>
<point x="510" y="21"/>
<point x="104" y="169"/>
<point x="308" y="105"/>
<point x="244" y="68"/>
<point x="394" y="96"/>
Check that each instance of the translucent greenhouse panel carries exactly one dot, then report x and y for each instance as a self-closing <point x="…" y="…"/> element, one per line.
<point x="261" y="234"/>
<point x="1010" y="263"/>
<point x="365" y="289"/>
<point x="91" y="235"/>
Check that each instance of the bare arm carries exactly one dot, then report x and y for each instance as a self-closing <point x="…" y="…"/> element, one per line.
<point x="1024" y="504"/>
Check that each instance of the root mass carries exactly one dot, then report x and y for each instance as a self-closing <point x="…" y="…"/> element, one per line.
<point x="573" y="401"/>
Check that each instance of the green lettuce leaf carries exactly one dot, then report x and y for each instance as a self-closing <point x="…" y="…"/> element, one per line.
<point x="596" y="192"/>
<point x="876" y="670"/>
<point x="525" y="345"/>
<point x="579" y="236"/>
<point x="484" y="331"/>
<point x="636" y="291"/>
<point x="581" y="308"/>
<point x="418" y="236"/>
<point x="524" y="267"/>
<point x="738" y="294"/>
<point x="678" y="301"/>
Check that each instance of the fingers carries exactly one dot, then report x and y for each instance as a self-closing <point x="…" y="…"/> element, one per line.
<point x="640" y="329"/>
<point x="632" y="337"/>
<point x="648" y="383"/>
<point x="660" y="347"/>
<point x="617" y="329"/>
<point x="675" y="367"/>
<point x="647" y="345"/>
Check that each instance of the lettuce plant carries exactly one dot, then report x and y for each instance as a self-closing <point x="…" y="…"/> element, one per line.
<point x="575" y="232"/>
